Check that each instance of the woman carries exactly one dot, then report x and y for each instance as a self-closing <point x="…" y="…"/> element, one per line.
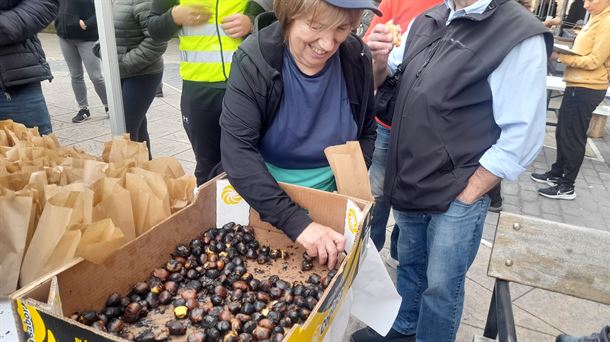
<point x="297" y="86"/>
<point x="76" y="26"/>
<point x="140" y="64"/>
<point x="586" y="76"/>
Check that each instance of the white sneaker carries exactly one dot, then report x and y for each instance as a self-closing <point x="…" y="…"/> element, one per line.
<point x="393" y="263"/>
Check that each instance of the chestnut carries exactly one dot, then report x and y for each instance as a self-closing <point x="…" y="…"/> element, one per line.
<point x="146" y="336"/>
<point x="176" y="277"/>
<point x="221" y="291"/>
<point x="223" y="326"/>
<point x="191" y="303"/>
<point x="261" y="333"/>
<point x="249" y="326"/>
<point x="196" y="315"/>
<point x="198" y="336"/>
<point x="176" y="328"/>
<point x="164" y="298"/>
<point x="152" y="300"/>
<point x="314" y="279"/>
<point x="231" y="336"/>
<point x="306" y="265"/>
<point x="132" y="312"/>
<point x="114" y="300"/>
<point x="258" y="305"/>
<point x="115" y="325"/>
<point x="217" y="300"/>
<point x="240" y="285"/>
<point x="99" y="325"/>
<point x="171" y="287"/>
<point x="209" y="321"/>
<point x="248" y="309"/>
<point x="182" y="250"/>
<point x="266" y="323"/>
<point x="213" y="334"/>
<point x="173" y="266"/>
<point x="244" y="337"/>
<point x="274" y="316"/>
<point x="243" y="317"/>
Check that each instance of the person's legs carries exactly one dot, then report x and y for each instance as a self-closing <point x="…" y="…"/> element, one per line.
<point x="381" y="210"/>
<point x="453" y="239"/>
<point x="411" y="272"/>
<point x="138" y="93"/>
<point x="575" y="134"/>
<point x="201" y="107"/>
<point x="70" y="51"/>
<point x="94" y="69"/>
<point x="26" y="105"/>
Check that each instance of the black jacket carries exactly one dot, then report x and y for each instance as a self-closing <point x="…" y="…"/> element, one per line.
<point x="70" y="13"/>
<point x="443" y="119"/>
<point x="22" y="59"/>
<point x="253" y="95"/>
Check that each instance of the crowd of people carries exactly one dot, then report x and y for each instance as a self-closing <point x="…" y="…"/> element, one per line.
<point x="267" y="86"/>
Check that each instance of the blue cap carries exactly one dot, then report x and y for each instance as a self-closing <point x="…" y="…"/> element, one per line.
<point x="355" y="4"/>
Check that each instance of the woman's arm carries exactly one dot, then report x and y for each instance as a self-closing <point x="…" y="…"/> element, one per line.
<point x="26" y="19"/>
<point x="599" y="54"/>
<point x="149" y="50"/>
<point x="369" y="128"/>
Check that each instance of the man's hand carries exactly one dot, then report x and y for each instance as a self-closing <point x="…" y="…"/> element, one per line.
<point x="236" y="25"/>
<point x="380" y="42"/>
<point x="82" y="24"/>
<point x="190" y="15"/>
<point x="323" y="242"/>
<point x="478" y="185"/>
<point x="554" y="56"/>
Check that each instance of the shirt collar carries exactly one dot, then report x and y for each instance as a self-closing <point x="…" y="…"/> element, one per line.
<point x="476" y="8"/>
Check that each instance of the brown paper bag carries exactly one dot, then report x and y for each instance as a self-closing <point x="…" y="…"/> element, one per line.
<point x="149" y="198"/>
<point x="122" y="148"/>
<point x="64" y="252"/>
<point x="92" y="171"/>
<point x="180" y="191"/>
<point x="99" y="240"/>
<point x="113" y="201"/>
<point x="51" y="227"/>
<point x="15" y="214"/>
<point x="168" y="167"/>
<point x="349" y="168"/>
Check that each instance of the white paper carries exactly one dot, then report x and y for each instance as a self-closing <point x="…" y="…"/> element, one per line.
<point x="353" y="220"/>
<point x="230" y="206"/>
<point x="375" y="299"/>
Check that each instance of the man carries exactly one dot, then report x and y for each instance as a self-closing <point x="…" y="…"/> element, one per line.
<point x="76" y="26"/>
<point x="401" y="12"/>
<point x="470" y="110"/>
<point x="22" y="61"/>
<point x="209" y="31"/>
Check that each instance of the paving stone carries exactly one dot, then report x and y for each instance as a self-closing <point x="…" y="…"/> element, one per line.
<point x="568" y="314"/>
<point x="186" y="156"/>
<point x="604" y="176"/>
<point x="90" y="146"/>
<point x="510" y="199"/>
<point x="512" y="208"/>
<point x="81" y="133"/>
<point x="510" y="188"/>
<point x="531" y="209"/>
<point x="549" y="207"/>
<point x="552" y="217"/>
<point x="164" y="147"/>
<point x="593" y="179"/>
<point x="529" y="196"/>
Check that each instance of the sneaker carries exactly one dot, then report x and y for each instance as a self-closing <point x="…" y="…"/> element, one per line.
<point x="369" y="335"/>
<point x="81" y="116"/>
<point x="545" y="178"/>
<point x="561" y="191"/>
<point x="602" y="336"/>
<point x="393" y="263"/>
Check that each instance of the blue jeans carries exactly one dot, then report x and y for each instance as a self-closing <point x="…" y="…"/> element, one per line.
<point x="25" y="104"/>
<point x="381" y="210"/>
<point x="434" y="254"/>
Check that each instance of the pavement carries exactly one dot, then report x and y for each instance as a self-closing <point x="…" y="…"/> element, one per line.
<point x="539" y="315"/>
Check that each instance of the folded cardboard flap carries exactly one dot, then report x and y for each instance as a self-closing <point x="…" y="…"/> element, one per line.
<point x="349" y="168"/>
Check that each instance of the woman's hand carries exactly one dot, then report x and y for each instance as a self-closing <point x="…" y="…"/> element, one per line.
<point x="380" y="43"/>
<point x="236" y="25"/>
<point x="323" y="242"/>
<point x="82" y="24"/>
<point x="190" y="15"/>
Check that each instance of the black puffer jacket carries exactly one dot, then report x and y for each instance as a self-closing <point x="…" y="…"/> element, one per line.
<point x="22" y="59"/>
<point x="254" y="92"/>
<point x="71" y="12"/>
<point x="138" y="53"/>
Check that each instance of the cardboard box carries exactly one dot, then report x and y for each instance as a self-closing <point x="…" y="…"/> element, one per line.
<point x="43" y="308"/>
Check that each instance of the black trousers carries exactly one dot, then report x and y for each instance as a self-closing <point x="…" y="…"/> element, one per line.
<point x="575" y="114"/>
<point x="138" y="93"/>
<point x="201" y="107"/>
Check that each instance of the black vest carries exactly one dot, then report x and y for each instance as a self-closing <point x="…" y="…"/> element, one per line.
<point x="443" y="119"/>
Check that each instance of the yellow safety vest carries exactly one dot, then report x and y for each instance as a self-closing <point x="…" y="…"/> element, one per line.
<point x="206" y="51"/>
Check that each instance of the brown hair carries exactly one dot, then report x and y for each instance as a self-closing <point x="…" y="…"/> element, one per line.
<point x="289" y="10"/>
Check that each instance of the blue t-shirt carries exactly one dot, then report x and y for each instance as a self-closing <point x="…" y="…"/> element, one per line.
<point x="314" y="113"/>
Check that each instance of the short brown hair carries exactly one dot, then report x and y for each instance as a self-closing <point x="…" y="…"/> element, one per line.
<point x="289" y="10"/>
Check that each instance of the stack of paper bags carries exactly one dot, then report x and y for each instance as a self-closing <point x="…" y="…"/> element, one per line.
<point x="59" y="203"/>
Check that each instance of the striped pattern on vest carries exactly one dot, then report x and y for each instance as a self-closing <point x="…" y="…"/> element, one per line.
<point x="206" y="51"/>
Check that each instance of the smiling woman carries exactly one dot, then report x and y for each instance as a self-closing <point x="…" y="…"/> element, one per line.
<point x="299" y="85"/>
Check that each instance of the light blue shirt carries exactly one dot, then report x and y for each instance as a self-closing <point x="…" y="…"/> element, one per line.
<point x="518" y="88"/>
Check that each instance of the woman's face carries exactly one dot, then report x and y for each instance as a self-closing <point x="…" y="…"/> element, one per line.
<point x="595" y="7"/>
<point x="312" y="42"/>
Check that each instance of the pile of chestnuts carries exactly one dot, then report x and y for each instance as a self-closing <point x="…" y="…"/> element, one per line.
<point x="208" y="290"/>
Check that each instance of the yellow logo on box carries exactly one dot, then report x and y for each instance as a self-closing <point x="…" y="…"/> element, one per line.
<point x="352" y="220"/>
<point x="230" y="196"/>
<point x="33" y="324"/>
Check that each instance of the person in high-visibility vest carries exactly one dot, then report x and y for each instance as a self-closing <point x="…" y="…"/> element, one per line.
<point x="209" y="32"/>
